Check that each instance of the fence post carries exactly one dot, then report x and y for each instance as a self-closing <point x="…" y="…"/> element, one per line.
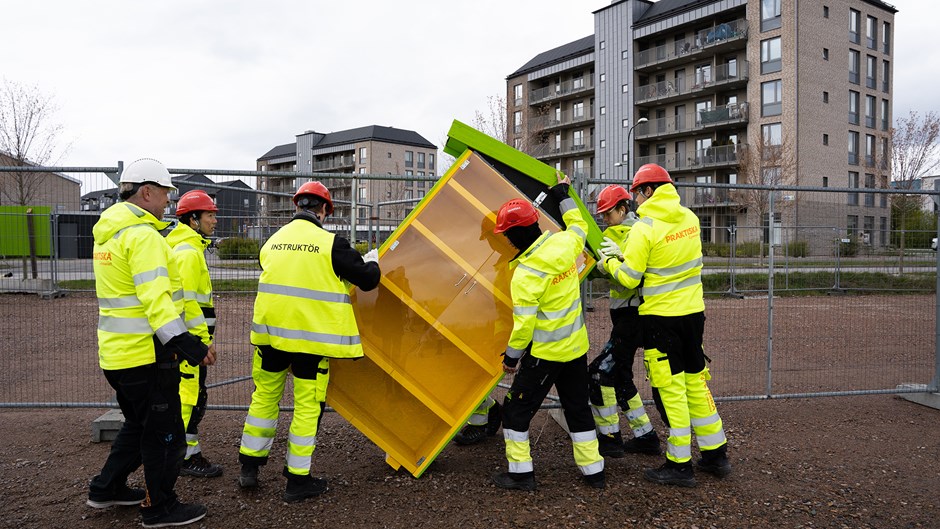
<point x="770" y="295"/>
<point x="733" y="240"/>
<point x="353" y="210"/>
<point x="935" y="383"/>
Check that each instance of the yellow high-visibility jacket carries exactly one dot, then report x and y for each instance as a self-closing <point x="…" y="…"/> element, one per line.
<point x="546" y="294"/>
<point x="139" y="292"/>
<point x="302" y="305"/>
<point x="621" y="296"/>
<point x="189" y="251"/>
<point x="665" y="251"/>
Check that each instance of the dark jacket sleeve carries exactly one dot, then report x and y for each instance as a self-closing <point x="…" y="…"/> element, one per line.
<point x="348" y="265"/>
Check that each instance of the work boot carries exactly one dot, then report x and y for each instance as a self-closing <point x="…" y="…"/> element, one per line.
<point x="715" y="462"/>
<point x="471" y="435"/>
<point x="302" y="487"/>
<point x="515" y="480"/>
<point x="610" y="444"/>
<point x="597" y="481"/>
<point x="174" y="514"/>
<point x="647" y="443"/>
<point x="200" y="467"/>
<point x="248" y="478"/>
<point x="672" y="474"/>
<point x="124" y="495"/>
<point x="494" y="419"/>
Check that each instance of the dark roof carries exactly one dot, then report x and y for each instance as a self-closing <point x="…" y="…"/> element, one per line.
<point x="235" y="183"/>
<point x="666" y="8"/>
<point x="100" y="193"/>
<point x="288" y="149"/>
<point x="560" y="54"/>
<point x="374" y="132"/>
<point x="194" y="178"/>
<point x="883" y="5"/>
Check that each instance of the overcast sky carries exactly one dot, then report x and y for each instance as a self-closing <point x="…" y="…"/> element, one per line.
<point x="200" y="84"/>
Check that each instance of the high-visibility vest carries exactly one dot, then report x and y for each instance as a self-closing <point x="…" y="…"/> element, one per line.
<point x="546" y="293"/>
<point x="621" y="296"/>
<point x="665" y="251"/>
<point x="138" y="287"/>
<point x="302" y="305"/>
<point x="189" y="251"/>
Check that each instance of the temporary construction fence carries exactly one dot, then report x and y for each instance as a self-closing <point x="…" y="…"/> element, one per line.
<point x="809" y="292"/>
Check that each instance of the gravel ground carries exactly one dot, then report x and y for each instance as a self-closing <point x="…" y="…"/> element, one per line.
<point x="845" y="462"/>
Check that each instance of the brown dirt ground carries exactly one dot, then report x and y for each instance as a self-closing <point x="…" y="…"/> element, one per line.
<point x="845" y="462"/>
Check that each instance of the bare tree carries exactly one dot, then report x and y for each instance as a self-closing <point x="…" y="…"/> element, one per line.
<point x="914" y="153"/>
<point x="769" y="161"/>
<point x="493" y="121"/>
<point x="29" y="135"/>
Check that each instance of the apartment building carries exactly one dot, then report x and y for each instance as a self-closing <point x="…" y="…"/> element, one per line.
<point x="724" y="91"/>
<point x="371" y="150"/>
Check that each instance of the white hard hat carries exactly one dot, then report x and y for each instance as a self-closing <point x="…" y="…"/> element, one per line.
<point x="147" y="170"/>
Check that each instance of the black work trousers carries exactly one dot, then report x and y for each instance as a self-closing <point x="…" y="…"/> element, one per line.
<point x="625" y="337"/>
<point x="152" y="434"/>
<point x="531" y="384"/>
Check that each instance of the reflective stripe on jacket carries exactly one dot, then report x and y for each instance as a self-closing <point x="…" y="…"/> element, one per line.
<point x="665" y="251"/>
<point x="189" y="251"/>
<point x="302" y="305"/>
<point x="621" y="296"/>
<point x="546" y="294"/>
<point x="138" y="287"/>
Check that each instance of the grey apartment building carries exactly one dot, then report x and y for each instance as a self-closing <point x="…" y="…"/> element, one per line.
<point x="372" y="150"/>
<point x="723" y="91"/>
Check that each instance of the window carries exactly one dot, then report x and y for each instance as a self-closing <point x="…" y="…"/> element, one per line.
<point x="884" y="114"/>
<point x="603" y="77"/>
<point x="420" y="160"/>
<point x="517" y="144"/>
<point x="603" y="143"/>
<point x="870" y="103"/>
<point x="853" y="107"/>
<point x="517" y="121"/>
<point x="869" y="150"/>
<point x="625" y="54"/>
<point x="871" y="33"/>
<point x="854" y="58"/>
<point x="578" y="81"/>
<point x="869" y="197"/>
<point x="603" y="44"/>
<point x="409" y="173"/>
<point x="577" y="139"/>
<point x="825" y="11"/>
<point x="825" y="139"/>
<point x="577" y="110"/>
<point x="363" y="193"/>
<point x="625" y="88"/>
<point x="771" y="98"/>
<point x="825" y="54"/>
<point x="853" y="184"/>
<point x="886" y="38"/>
<point x="772" y="134"/>
<point x="430" y="161"/>
<point x="362" y="170"/>
<point x="363" y="154"/>
<point x="389" y="155"/>
<point x="625" y="123"/>
<point x="871" y="64"/>
<point x="409" y="159"/>
<point x="851" y="224"/>
<point x="854" y="21"/>
<point x="825" y="97"/>
<point x="770" y="55"/>
<point x="769" y="14"/>
<point x="885" y="70"/>
<point x="853" y="148"/>
<point x="517" y="94"/>
<point x="603" y="111"/>
<point x="825" y="181"/>
<point x="884" y="153"/>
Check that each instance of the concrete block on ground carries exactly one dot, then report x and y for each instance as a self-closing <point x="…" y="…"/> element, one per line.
<point x="106" y="427"/>
<point x="924" y="397"/>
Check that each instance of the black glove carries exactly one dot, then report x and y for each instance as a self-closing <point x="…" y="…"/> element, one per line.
<point x="188" y="347"/>
<point x="510" y="361"/>
<point x="559" y="191"/>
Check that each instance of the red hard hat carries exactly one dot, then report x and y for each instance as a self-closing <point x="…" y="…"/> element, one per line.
<point x="318" y="190"/>
<point x="650" y="174"/>
<point x="516" y="212"/>
<point x="610" y="196"/>
<point x="195" y="200"/>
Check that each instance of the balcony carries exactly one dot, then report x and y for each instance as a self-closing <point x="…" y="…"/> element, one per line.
<point x="567" y="147"/>
<point x="721" y="77"/>
<point x="690" y="122"/>
<point x="568" y="88"/>
<point x="569" y="117"/>
<point x="335" y="162"/>
<point x="709" y="158"/>
<point x="713" y="40"/>
<point x="710" y="197"/>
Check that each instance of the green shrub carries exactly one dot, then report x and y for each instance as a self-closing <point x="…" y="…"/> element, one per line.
<point x="750" y="249"/>
<point x="362" y="247"/>
<point x="849" y="249"/>
<point x="716" y="249"/>
<point x="798" y="249"/>
<point x="238" y="248"/>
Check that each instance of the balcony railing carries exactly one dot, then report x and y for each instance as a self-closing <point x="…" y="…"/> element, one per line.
<point x="694" y="121"/>
<point x="569" y="87"/>
<point x="718" y="156"/>
<point x="545" y="150"/>
<point x="699" y="42"/>
<point x="695" y="82"/>
<point x="334" y="163"/>
<point x="710" y="196"/>
<point x="568" y="117"/>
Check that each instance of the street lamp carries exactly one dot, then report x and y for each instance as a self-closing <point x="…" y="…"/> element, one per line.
<point x="629" y="163"/>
